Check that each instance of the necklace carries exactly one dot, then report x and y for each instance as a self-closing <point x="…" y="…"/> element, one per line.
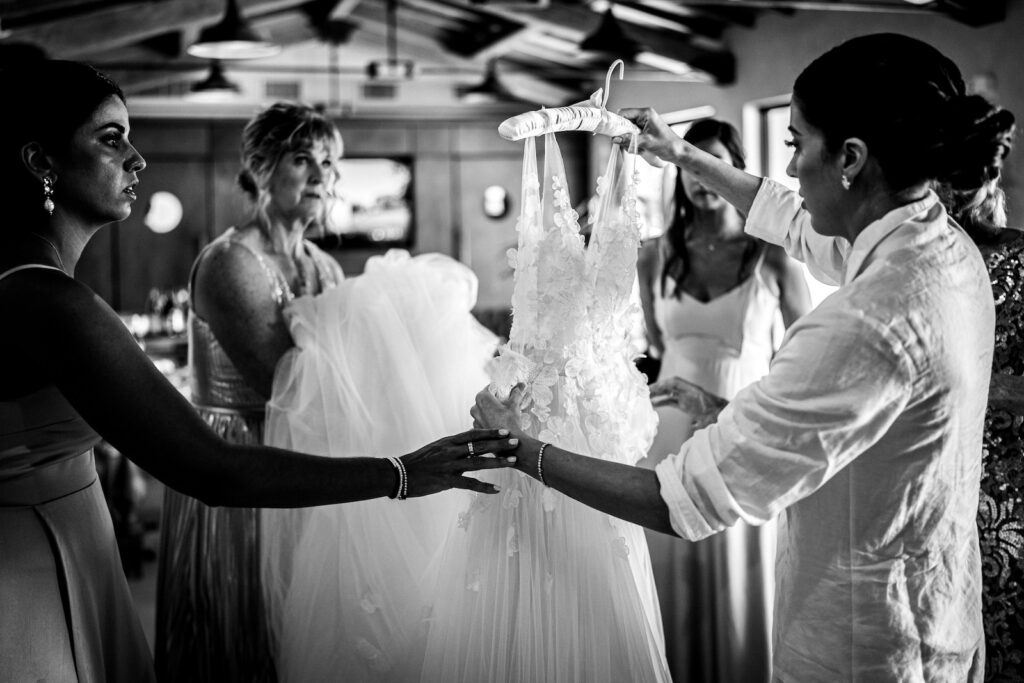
<point x="56" y="252"/>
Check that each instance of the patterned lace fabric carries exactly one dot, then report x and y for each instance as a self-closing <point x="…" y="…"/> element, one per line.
<point x="1001" y="505"/>
<point x="534" y="585"/>
<point x="573" y="315"/>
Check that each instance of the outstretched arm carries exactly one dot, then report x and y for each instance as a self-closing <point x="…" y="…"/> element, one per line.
<point x="85" y="350"/>
<point x="765" y="450"/>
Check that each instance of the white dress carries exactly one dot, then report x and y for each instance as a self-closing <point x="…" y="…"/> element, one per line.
<point x="532" y="586"/>
<point x="384" y="363"/>
<point x="716" y="594"/>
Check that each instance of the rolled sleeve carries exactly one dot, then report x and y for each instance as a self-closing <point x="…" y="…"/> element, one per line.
<point x="777" y="216"/>
<point x="834" y="390"/>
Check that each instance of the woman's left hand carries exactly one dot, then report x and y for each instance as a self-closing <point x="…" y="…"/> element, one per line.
<point x="492" y="413"/>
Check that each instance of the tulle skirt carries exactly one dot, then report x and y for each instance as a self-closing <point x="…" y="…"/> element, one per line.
<point x="384" y="363"/>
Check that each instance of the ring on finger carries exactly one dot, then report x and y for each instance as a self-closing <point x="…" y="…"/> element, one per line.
<point x="469" y="445"/>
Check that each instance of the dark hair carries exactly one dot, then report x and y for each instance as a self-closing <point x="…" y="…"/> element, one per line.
<point x="46" y="101"/>
<point x="280" y="128"/>
<point x="908" y="103"/>
<point x="677" y="262"/>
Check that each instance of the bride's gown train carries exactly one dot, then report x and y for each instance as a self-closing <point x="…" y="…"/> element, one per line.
<point x="533" y="586"/>
<point x="384" y="363"/>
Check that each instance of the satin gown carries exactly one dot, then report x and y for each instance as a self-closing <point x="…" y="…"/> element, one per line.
<point x="66" y="612"/>
<point x="211" y="624"/>
<point x="715" y="594"/>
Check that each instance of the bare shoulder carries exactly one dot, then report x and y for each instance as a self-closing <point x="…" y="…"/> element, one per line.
<point x="230" y="273"/>
<point x="42" y="295"/>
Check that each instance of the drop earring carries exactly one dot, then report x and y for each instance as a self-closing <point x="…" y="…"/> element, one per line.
<point x="48" y="194"/>
<point x="844" y="181"/>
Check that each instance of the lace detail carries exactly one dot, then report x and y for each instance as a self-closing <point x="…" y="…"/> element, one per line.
<point x="534" y="585"/>
<point x="1001" y="503"/>
<point x="572" y="314"/>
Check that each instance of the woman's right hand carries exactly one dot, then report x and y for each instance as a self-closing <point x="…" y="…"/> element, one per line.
<point x="657" y="143"/>
<point x="439" y="466"/>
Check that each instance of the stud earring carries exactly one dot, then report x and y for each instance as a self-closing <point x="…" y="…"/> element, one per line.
<point x="845" y="182"/>
<point x="48" y="194"/>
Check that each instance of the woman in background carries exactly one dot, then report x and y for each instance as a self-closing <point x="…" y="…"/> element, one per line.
<point x="712" y="296"/>
<point x="1001" y="503"/>
<point x="211" y="624"/>
<point x="71" y="374"/>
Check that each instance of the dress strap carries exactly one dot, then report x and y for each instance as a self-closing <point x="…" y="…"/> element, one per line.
<point x="28" y="266"/>
<point x="328" y="271"/>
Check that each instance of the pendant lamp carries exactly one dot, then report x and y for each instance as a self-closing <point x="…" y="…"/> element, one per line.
<point x="610" y="39"/>
<point x="215" y="87"/>
<point x="232" y="38"/>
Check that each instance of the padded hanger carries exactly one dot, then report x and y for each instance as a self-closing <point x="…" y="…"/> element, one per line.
<point x="589" y="115"/>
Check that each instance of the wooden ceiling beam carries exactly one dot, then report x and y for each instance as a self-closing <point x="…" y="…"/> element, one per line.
<point x="126" y="24"/>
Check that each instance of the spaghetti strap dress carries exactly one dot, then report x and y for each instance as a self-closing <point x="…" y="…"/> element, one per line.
<point x="716" y="594"/>
<point x="66" y="612"/>
<point x="211" y="625"/>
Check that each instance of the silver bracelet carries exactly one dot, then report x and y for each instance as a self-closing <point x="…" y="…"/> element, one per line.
<point x="540" y="463"/>
<point x="402" y="488"/>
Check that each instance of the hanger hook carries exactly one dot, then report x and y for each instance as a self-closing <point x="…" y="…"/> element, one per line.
<point x="608" y="79"/>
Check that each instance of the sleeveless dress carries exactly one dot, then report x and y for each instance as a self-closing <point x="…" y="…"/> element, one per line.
<point x="534" y="587"/>
<point x="211" y="625"/>
<point x="66" y="612"/>
<point x="716" y="594"/>
<point x="1001" y="503"/>
<point x="383" y="364"/>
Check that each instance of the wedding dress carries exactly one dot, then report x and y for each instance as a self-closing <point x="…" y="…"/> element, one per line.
<point x="383" y="364"/>
<point x="532" y="586"/>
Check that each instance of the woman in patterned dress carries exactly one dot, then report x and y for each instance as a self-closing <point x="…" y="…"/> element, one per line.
<point x="1001" y="503"/>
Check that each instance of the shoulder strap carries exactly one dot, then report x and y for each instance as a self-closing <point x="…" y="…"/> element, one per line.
<point x="29" y="266"/>
<point x="328" y="270"/>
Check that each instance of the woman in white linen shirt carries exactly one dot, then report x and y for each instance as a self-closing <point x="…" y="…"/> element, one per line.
<point x="867" y="429"/>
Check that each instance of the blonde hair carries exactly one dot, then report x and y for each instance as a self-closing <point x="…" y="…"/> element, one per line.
<point x="281" y="128"/>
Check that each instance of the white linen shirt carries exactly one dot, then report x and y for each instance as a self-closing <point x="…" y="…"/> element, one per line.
<point x="867" y="432"/>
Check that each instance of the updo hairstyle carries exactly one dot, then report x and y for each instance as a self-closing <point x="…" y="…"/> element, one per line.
<point x="908" y="103"/>
<point x="45" y="101"/>
<point x="280" y="128"/>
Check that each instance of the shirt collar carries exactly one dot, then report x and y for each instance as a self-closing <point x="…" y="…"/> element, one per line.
<point x="878" y="231"/>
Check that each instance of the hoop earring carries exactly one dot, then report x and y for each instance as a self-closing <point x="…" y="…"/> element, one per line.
<point x="844" y="181"/>
<point x="47" y="195"/>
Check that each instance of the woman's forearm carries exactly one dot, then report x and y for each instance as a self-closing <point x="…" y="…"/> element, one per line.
<point x="261" y="476"/>
<point x="629" y="493"/>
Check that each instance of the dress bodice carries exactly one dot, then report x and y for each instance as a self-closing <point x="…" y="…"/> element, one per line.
<point x="215" y="381"/>
<point x="722" y="344"/>
<point x="40" y="428"/>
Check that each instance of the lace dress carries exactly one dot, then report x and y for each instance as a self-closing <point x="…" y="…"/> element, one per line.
<point x="211" y="625"/>
<point x="533" y="586"/>
<point x="1001" y="504"/>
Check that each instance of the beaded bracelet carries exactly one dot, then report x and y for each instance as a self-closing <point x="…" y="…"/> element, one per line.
<point x="402" y="486"/>
<point x="540" y="463"/>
